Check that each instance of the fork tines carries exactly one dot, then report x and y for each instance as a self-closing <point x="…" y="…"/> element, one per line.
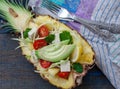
<point x="50" y="6"/>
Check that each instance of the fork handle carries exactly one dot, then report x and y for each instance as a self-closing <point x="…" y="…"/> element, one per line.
<point x="114" y="28"/>
<point x="107" y="36"/>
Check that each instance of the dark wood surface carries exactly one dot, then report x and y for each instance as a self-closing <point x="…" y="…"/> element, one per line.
<point x="17" y="73"/>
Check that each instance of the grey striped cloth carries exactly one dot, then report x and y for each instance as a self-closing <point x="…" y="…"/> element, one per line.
<point x="107" y="53"/>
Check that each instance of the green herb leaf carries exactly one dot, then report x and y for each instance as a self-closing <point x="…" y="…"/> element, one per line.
<point x="65" y="35"/>
<point x="25" y="33"/>
<point x="50" y="38"/>
<point x="78" y="67"/>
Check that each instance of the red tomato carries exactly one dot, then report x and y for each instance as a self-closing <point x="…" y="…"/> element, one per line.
<point x="45" y="64"/>
<point x="39" y="44"/>
<point x="64" y="75"/>
<point x="43" y="31"/>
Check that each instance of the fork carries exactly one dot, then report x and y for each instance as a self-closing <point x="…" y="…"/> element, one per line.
<point x="63" y="14"/>
<point x="100" y="28"/>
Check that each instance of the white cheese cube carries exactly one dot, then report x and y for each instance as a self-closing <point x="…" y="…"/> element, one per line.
<point x="65" y="67"/>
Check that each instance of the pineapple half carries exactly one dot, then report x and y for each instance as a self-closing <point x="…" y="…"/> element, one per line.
<point x="19" y="18"/>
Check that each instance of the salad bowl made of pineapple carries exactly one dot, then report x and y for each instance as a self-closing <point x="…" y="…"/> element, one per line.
<point x="59" y="54"/>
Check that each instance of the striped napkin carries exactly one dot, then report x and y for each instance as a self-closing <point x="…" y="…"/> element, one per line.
<point x="107" y="53"/>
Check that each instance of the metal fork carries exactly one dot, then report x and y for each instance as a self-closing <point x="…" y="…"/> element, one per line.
<point x="63" y="14"/>
<point x="99" y="28"/>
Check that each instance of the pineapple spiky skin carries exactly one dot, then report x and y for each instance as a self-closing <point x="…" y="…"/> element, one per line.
<point x="16" y="14"/>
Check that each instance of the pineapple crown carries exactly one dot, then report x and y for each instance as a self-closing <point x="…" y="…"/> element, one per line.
<point x="15" y="13"/>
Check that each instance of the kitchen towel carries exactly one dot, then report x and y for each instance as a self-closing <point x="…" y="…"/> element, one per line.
<point x="107" y="53"/>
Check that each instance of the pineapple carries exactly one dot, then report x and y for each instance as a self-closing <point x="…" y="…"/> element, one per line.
<point x="16" y="13"/>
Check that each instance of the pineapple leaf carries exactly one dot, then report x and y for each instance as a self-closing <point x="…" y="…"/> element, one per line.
<point x="16" y="13"/>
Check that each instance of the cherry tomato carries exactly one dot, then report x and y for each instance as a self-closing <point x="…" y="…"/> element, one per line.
<point x="43" y="31"/>
<point x="64" y="75"/>
<point x="45" y="64"/>
<point x="39" y="44"/>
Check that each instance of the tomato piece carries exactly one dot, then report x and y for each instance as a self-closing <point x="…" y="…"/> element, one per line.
<point x="39" y="44"/>
<point x="45" y="64"/>
<point x="64" y="75"/>
<point x="43" y="31"/>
